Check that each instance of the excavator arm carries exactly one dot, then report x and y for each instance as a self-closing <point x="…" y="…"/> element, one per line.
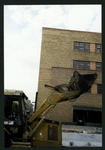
<point x="47" y="105"/>
<point x="51" y="101"/>
<point x="77" y="85"/>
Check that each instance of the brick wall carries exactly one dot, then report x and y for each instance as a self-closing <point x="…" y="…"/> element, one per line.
<point x="56" y="67"/>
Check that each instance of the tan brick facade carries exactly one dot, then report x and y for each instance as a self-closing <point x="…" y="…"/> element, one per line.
<point x="56" y="67"/>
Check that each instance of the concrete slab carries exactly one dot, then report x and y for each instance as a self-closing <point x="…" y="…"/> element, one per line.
<point x="81" y="140"/>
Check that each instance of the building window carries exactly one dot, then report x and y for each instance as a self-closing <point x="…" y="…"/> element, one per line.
<point x="80" y="46"/>
<point x="87" y="47"/>
<point x="98" y="66"/>
<point x="87" y="65"/>
<point x="76" y="46"/>
<point x="84" y="65"/>
<point x="99" y="88"/>
<point x="76" y="64"/>
<point x="98" y="48"/>
<point x="85" y="115"/>
<point x="81" y="64"/>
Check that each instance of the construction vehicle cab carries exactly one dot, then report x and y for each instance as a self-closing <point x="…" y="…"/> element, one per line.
<point x="14" y="114"/>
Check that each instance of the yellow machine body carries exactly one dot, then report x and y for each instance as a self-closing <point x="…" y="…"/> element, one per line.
<point x="48" y="134"/>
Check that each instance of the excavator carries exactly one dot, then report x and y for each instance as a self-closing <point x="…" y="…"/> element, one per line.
<point x="42" y="132"/>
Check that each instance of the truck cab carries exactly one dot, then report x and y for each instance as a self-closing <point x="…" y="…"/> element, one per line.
<point x="15" y="114"/>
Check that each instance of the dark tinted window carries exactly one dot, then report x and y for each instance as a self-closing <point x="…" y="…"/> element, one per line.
<point x="81" y="64"/>
<point x="76" y="46"/>
<point x="87" y="65"/>
<point x="81" y="48"/>
<point x="87" y="116"/>
<point x="99" y="88"/>
<point x="98" y="66"/>
<point x="87" y="46"/>
<point x="98" y="48"/>
<point x="76" y="64"/>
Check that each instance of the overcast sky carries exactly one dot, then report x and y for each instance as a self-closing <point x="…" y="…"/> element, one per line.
<point x="23" y="34"/>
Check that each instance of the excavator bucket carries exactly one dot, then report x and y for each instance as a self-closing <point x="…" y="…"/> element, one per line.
<point x="77" y="82"/>
<point x="86" y="81"/>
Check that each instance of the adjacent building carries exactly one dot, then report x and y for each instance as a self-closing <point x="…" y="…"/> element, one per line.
<point x="63" y="52"/>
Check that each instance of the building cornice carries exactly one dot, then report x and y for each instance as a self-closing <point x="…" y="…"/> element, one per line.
<point x="47" y="28"/>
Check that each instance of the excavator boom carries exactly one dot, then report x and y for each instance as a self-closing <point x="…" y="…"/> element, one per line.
<point x="77" y="85"/>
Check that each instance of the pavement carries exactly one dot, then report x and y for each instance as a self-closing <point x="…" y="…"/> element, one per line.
<point x="81" y="136"/>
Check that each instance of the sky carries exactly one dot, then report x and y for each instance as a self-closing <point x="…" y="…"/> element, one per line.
<point x="23" y="34"/>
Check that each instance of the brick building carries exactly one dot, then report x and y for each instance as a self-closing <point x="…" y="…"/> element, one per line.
<point x="62" y="52"/>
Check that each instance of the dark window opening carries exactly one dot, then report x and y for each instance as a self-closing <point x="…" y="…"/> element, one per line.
<point x="81" y="64"/>
<point x="87" y="116"/>
<point x="76" y="64"/>
<point x="76" y="46"/>
<point x="98" y="48"/>
<point x="87" y="65"/>
<point x="84" y="65"/>
<point x="80" y="46"/>
<point x="87" y="47"/>
<point x="99" y="88"/>
<point x="98" y="66"/>
<point x="11" y="110"/>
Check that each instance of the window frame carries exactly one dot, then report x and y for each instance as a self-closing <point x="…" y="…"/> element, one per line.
<point x="99" y="88"/>
<point x="78" y="46"/>
<point x="74" y="65"/>
<point x="81" y="47"/>
<point x="100" y="48"/>
<point x="85" y="68"/>
<point x="89" y="47"/>
<point x="100" y="66"/>
<point x="84" y="49"/>
<point x="85" y="64"/>
<point x="78" y="64"/>
<point x="81" y="65"/>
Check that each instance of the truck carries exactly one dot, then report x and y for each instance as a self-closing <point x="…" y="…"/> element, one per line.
<point x="16" y="109"/>
<point x="37" y="131"/>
